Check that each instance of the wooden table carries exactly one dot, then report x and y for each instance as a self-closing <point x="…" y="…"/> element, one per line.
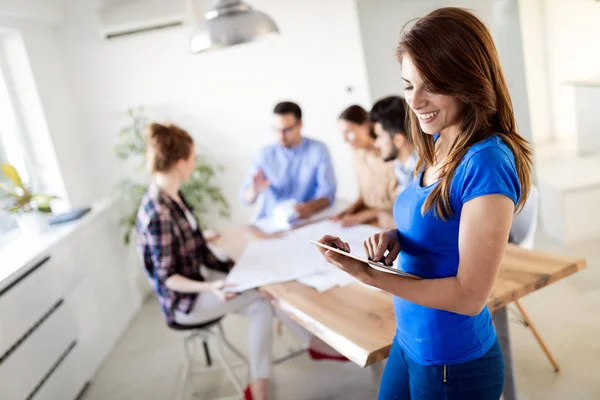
<point x="359" y="322"/>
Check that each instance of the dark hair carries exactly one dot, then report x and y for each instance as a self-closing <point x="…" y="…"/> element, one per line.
<point x="287" y="107"/>
<point x="455" y="55"/>
<point x="391" y="114"/>
<point x="355" y="114"/>
<point x="167" y="144"/>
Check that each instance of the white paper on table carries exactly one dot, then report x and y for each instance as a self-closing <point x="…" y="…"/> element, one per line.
<point x="354" y="236"/>
<point x="293" y="257"/>
<point x="319" y="281"/>
<point x="336" y="208"/>
<point x="271" y="225"/>
<point x="264" y="262"/>
<point x="286" y="211"/>
<point x="283" y="218"/>
<point x="322" y="281"/>
<point x="330" y="276"/>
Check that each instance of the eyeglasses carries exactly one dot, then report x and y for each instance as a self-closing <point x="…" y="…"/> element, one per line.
<point x="285" y="130"/>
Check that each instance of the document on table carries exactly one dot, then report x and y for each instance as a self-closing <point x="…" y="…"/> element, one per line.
<point x="293" y="257"/>
<point x="269" y="261"/>
<point x="325" y="280"/>
<point x="354" y="236"/>
<point x="270" y="225"/>
<point x="280" y="223"/>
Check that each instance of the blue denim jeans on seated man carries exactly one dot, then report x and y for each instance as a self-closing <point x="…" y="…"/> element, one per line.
<point x="479" y="379"/>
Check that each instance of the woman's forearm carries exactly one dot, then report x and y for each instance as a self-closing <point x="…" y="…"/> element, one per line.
<point x="181" y="284"/>
<point x="356" y="206"/>
<point x="443" y="294"/>
<point x="366" y="215"/>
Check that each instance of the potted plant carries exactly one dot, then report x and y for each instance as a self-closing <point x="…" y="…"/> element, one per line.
<point x="201" y="190"/>
<point x="32" y="210"/>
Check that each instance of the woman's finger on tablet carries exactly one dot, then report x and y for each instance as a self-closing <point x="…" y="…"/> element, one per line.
<point x="334" y="241"/>
<point x="368" y="247"/>
<point x="393" y="254"/>
<point x="379" y="247"/>
<point x="345" y="246"/>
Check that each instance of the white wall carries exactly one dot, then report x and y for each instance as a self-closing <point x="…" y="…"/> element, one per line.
<point x="382" y="20"/>
<point x="571" y="32"/>
<point x="380" y="24"/>
<point x="536" y="70"/>
<point x="223" y="98"/>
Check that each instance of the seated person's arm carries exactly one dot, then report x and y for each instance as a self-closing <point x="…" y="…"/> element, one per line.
<point x="255" y="182"/>
<point x="249" y="195"/>
<point x="211" y="261"/>
<point x="309" y="208"/>
<point x="258" y="183"/>
<point x="181" y="284"/>
<point x="365" y="216"/>
<point x="326" y="187"/>
<point x="355" y="207"/>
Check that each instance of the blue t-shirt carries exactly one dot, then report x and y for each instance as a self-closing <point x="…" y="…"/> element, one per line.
<point x="430" y="250"/>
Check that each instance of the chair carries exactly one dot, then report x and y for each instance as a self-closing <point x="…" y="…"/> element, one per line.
<point x="201" y="334"/>
<point x="522" y="233"/>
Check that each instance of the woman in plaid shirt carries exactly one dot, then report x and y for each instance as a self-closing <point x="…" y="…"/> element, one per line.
<point x="173" y="249"/>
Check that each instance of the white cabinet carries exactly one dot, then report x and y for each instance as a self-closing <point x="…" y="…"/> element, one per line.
<point x="25" y="369"/>
<point x="66" y="310"/>
<point x="66" y="380"/>
<point x="587" y="98"/>
<point x="569" y="199"/>
<point x="26" y="301"/>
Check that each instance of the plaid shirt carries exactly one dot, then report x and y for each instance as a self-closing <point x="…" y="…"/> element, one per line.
<point x="168" y="245"/>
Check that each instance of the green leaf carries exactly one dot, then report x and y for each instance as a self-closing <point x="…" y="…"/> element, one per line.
<point x="12" y="174"/>
<point x="43" y="198"/>
<point x="45" y="209"/>
<point x="14" y="209"/>
<point x="42" y="202"/>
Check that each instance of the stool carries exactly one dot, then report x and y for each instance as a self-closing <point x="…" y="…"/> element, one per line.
<point x="200" y="334"/>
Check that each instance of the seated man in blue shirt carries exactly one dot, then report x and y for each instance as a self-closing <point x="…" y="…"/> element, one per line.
<point x="296" y="168"/>
<point x="388" y="116"/>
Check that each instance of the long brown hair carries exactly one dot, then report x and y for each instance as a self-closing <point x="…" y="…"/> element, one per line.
<point x="455" y="55"/>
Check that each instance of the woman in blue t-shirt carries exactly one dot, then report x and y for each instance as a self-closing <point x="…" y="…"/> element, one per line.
<point x="454" y="218"/>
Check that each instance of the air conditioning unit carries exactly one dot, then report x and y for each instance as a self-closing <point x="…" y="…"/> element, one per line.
<point x="120" y="18"/>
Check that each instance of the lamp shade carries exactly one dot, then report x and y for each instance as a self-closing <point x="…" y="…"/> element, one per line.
<point x="231" y="22"/>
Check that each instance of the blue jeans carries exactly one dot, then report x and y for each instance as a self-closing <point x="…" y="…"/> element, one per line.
<point x="405" y="379"/>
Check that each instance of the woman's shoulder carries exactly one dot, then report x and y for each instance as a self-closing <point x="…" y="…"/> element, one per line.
<point x="488" y="168"/>
<point x="491" y="150"/>
<point x="153" y="208"/>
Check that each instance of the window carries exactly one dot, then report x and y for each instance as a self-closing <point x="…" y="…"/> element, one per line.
<point x="25" y="140"/>
<point x="11" y="145"/>
<point x="7" y="223"/>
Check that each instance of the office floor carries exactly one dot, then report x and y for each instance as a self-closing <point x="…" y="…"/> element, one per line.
<point x="147" y="362"/>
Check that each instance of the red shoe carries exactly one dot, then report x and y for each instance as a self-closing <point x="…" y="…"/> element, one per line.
<point x="248" y="393"/>
<point x="317" y="355"/>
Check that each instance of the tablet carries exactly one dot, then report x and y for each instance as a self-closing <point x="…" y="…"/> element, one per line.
<point x="372" y="264"/>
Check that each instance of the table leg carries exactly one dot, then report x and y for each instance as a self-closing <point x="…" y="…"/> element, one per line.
<point x="377" y="373"/>
<point x="500" y="318"/>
